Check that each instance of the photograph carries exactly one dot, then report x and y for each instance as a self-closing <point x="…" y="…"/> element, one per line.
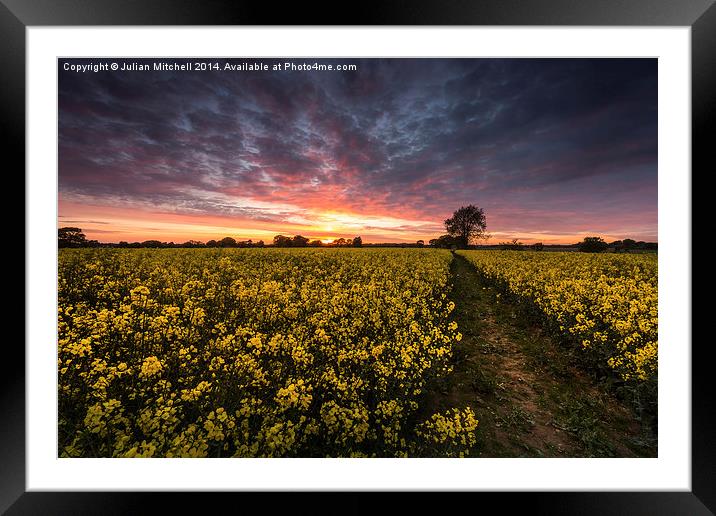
<point x="407" y="250"/>
<point x="414" y="257"/>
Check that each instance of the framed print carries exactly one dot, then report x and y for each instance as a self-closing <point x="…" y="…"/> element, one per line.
<point x="430" y="249"/>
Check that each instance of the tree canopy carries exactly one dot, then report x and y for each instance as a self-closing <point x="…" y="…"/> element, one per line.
<point x="466" y="225"/>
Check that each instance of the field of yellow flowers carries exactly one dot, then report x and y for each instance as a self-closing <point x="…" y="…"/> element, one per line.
<point x="606" y="304"/>
<point x="256" y="352"/>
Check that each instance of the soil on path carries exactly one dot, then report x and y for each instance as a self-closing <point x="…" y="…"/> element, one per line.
<point x="528" y="393"/>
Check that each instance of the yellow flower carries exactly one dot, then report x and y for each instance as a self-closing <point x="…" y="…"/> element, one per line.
<point x="150" y="367"/>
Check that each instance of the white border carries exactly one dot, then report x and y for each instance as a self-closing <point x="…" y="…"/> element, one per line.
<point x="671" y="471"/>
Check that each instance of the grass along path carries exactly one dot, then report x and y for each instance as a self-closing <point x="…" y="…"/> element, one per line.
<point x="530" y="397"/>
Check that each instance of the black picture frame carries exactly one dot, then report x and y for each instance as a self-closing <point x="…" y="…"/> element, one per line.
<point x="17" y="15"/>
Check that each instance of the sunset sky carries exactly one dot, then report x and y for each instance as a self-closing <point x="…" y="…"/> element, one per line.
<point x="552" y="149"/>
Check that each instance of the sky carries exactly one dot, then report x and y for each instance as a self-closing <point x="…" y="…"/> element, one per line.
<point x="552" y="149"/>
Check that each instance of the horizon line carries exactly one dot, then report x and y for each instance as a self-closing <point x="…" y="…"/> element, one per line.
<point x="324" y="243"/>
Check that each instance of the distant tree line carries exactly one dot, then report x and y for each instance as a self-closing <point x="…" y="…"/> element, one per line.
<point x="598" y="245"/>
<point x="459" y="239"/>
<point x="626" y="245"/>
<point x="516" y="245"/>
<point x="74" y="237"/>
<point x="228" y="242"/>
<point x="301" y="241"/>
<point x="224" y="242"/>
<point x="588" y="245"/>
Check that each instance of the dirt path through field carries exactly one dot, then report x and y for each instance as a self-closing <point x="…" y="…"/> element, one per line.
<point x="528" y="394"/>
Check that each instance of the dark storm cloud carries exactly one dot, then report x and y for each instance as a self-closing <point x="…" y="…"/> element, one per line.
<point x="400" y="137"/>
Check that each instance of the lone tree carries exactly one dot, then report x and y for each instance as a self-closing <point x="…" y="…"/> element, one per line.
<point x="357" y="242"/>
<point x="466" y="224"/>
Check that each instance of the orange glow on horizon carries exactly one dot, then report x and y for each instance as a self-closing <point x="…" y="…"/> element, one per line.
<point x="111" y="224"/>
<point x="114" y="224"/>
